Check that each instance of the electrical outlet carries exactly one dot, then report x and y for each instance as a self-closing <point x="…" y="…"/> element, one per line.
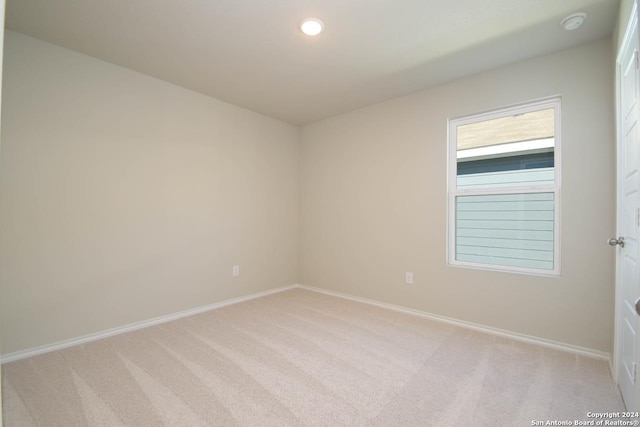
<point x="236" y="270"/>
<point x="408" y="278"/>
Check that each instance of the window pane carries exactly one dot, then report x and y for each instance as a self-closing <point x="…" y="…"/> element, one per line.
<point x="509" y="230"/>
<point x="512" y="151"/>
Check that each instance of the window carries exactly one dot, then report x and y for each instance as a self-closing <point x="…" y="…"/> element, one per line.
<point x="504" y="189"/>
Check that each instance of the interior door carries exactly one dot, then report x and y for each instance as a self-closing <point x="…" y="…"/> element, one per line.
<point x="627" y="287"/>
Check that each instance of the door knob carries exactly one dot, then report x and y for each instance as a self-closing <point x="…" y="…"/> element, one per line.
<point x="638" y="306"/>
<point x="618" y="241"/>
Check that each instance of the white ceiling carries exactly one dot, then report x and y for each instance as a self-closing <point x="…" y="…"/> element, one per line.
<point x="251" y="53"/>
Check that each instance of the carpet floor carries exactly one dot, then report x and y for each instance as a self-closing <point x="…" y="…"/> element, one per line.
<point x="302" y="358"/>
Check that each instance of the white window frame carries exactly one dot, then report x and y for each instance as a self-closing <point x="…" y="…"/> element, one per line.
<point x="453" y="191"/>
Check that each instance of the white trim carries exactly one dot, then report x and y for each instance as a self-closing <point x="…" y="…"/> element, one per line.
<point x="542" y="342"/>
<point x="583" y="351"/>
<point x="628" y="31"/>
<point x="632" y="21"/>
<point x="554" y="102"/>
<point x="34" y="351"/>
<point x="506" y="150"/>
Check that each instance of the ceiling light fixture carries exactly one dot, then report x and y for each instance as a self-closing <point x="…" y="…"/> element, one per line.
<point x="573" y="21"/>
<point x="311" y="26"/>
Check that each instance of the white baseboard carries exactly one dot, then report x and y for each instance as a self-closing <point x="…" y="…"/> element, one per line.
<point x="583" y="351"/>
<point x="34" y="351"/>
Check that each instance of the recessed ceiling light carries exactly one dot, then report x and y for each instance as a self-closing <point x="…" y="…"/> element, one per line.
<point x="573" y="21"/>
<point x="311" y="26"/>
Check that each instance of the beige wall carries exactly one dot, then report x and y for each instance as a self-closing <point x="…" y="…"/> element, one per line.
<point x="2" y="9"/>
<point x="117" y="190"/>
<point x="373" y="202"/>
<point x="123" y="197"/>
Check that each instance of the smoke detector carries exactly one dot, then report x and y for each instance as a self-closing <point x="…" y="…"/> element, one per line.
<point x="573" y="21"/>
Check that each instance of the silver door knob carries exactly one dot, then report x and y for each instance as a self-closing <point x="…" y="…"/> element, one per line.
<point x="618" y="241"/>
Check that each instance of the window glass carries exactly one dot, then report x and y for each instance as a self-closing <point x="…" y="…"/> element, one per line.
<point x="507" y="229"/>
<point x="510" y="151"/>
<point x="503" y="211"/>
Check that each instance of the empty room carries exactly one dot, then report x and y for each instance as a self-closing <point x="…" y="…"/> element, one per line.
<point x="319" y="213"/>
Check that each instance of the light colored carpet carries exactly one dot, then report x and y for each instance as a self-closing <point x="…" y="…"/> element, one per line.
<point x="304" y="358"/>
